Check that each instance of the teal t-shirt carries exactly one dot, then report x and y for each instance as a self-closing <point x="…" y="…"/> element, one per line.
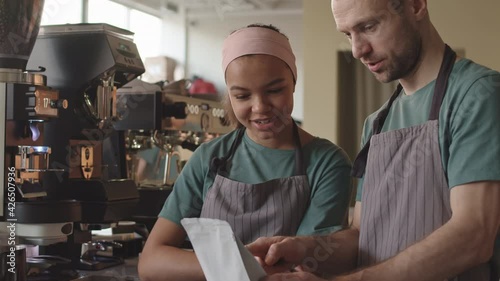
<point x="469" y="122"/>
<point x="328" y="172"/>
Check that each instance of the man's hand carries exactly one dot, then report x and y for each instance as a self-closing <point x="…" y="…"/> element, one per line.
<point x="295" y="276"/>
<point x="281" y="254"/>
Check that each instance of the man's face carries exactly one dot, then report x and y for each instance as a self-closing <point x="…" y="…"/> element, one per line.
<point x="383" y="35"/>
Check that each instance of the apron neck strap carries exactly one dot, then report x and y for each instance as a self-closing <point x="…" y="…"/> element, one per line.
<point x="378" y="123"/>
<point x="300" y="168"/>
<point x="219" y="164"/>
<point x="442" y="82"/>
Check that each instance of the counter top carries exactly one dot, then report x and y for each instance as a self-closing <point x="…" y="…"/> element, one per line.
<point x="125" y="272"/>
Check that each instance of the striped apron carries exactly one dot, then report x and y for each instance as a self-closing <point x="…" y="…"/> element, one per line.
<point x="405" y="191"/>
<point x="274" y="207"/>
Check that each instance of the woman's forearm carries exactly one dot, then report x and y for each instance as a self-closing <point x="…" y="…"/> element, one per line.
<point x="165" y="263"/>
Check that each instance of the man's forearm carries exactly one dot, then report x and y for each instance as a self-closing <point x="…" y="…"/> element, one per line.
<point x="465" y="241"/>
<point x="444" y="254"/>
<point x="333" y="254"/>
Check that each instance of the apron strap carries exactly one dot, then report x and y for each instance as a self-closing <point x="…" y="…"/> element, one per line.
<point x="441" y="84"/>
<point x="358" y="168"/>
<point x="219" y="164"/>
<point x="449" y="57"/>
<point x="299" y="156"/>
<point x="494" y="274"/>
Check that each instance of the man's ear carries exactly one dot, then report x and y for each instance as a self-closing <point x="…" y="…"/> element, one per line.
<point x="418" y="8"/>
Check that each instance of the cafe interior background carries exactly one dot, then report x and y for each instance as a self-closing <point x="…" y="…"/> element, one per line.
<point x="180" y="40"/>
<point x="334" y="93"/>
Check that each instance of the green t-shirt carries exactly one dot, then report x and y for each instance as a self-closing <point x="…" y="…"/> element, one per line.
<point x="328" y="172"/>
<point x="469" y="122"/>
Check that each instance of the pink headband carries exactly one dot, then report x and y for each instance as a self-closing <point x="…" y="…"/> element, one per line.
<point x="257" y="40"/>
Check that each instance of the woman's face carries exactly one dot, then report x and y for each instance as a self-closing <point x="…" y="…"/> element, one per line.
<point x="260" y="89"/>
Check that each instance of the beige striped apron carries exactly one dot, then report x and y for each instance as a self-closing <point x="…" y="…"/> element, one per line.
<point x="274" y="207"/>
<point x="405" y="192"/>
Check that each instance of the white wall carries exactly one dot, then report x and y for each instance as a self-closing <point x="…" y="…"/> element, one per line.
<point x="470" y="25"/>
<point x="320" y="67"/>
<point x="174" y="35"/>
<point x="206" y="34"/>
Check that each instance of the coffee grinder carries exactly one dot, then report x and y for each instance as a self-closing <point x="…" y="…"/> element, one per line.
<point x="87" y="63"/>
<point x="27" y="104"/>
<point x="27" y="214"/>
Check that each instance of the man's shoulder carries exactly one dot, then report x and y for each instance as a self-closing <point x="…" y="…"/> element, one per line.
<point x="471" y="81"/>
<point x="467" y="72"/>
<point x="474" y="68"/>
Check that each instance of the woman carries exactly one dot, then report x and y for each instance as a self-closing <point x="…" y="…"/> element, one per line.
<point x="268" y="177"/>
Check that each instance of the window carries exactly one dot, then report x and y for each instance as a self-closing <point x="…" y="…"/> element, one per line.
<point x="106" y="11"/>
<point x="62" y="12"/>
<point x="147" y="28"/>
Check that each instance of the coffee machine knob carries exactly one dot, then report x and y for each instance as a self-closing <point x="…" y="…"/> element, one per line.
<point x="60" y="104"/>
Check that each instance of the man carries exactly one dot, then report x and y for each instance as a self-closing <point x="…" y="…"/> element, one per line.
<point x="428" y="207"/>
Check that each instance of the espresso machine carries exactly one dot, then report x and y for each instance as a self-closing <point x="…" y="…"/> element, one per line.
<point x="162" y="120"/>
<point x="87" y="63"/>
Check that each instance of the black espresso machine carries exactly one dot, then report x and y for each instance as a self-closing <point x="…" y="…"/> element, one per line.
<point x="87" y="63"/>
<point x="164" y="122"/>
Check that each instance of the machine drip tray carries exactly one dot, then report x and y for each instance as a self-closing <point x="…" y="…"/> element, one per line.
<point x="99" y="278"/>
<point x="66" y="275"/>
<point x="99" y="263"/>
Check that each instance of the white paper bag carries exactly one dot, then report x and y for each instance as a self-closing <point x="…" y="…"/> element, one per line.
<point x="221" y="254"/>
